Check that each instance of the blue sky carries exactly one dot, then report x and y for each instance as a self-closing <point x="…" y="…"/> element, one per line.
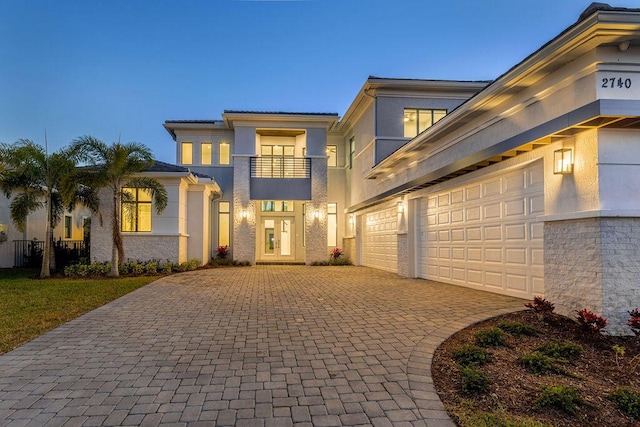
<point x="119" y="69"/>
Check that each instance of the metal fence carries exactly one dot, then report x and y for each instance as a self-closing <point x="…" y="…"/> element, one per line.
<point x="28" y="253"/>
<point x="280" y="167"/>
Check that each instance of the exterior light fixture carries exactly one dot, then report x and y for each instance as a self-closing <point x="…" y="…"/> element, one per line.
<point x="563" y="161"/>
<point x="316" y="214"/>
<point x="400" y="207"/>
<point x="244" y="213"/>
<point x="352" y="220"/>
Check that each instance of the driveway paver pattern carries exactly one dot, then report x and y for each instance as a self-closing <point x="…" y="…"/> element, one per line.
<point x="259" y="346"/>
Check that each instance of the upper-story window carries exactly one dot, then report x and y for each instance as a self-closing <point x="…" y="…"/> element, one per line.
<point x="136" y="209"/>
<point x="417" y="120"/>
<point x="67" y="226"/>
<point x="224" y="154"/>
<point x="277" y="150"/>
<point x="187" y="153"/>
<point x="205" y="153"/>
<point x="352" y="150"/>
<point x="332" y="152"/>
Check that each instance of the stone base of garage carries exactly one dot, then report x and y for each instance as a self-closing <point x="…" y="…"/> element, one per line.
<point x="594" y="263"/>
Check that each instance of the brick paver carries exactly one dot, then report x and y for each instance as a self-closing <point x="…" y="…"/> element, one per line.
<point x="259" y="346"/>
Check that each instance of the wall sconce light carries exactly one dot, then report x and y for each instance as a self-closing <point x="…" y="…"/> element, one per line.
<point x="352" y="220"/>
<point x="316" y="214"/>
<point x="563" y="161"/>
<point x="244" y="213"/>
<point x="400" y="207"/>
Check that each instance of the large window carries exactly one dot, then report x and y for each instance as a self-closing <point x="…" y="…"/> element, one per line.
<point x="332" y="224"/>
<point x="417" y="120"/>
<point x="277" y="150"/>
<point x="332" y="152"/>
<point x="352" y="150"/>
<point x="136" y="210"/>
<point x="187" y="153"/>
<point x="223" y="223"/>
<point x="67" y="227"/>
<point x="205" y="153"/>
<point x="225" y="154"/>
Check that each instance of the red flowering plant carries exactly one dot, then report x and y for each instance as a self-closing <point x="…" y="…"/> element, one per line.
<point x="590" y="322"/>
<point x="634" y="321"/>
<point x="336" y="253"/>
<point x="540" y="306"/>
<point x="223" y="251"/>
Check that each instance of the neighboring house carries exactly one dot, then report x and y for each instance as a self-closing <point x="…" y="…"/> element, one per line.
<point x="17" y="248"/>
<point x="459" y="182"/>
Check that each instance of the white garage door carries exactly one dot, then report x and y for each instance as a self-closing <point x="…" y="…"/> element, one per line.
<point x="379" y="240"/>
<point x="485" y="235"/>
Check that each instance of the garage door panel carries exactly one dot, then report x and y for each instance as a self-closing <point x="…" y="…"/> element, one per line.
<point x="379" y="241"/>
<point x="487" y="235"/>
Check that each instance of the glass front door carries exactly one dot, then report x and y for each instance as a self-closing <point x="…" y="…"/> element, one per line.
<point x="278" y="237"/>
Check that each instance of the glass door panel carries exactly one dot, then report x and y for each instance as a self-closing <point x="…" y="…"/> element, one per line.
<point x="269" y="237"/>
<point x="278" y="239"/>
<point x="285" y="237"/>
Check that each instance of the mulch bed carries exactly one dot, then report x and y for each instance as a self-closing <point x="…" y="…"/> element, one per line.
<point x="513" y="389"/>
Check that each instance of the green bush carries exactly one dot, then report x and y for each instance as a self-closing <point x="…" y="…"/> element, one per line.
<point x="627" y="401"/>
<point x="492" y="337"/>
<point x="559" y="397"/>
<point x="167" y="267"/>
<point x="517" y="328"/>
<point x="471" y="355"/>
<point x="538" y="363"/>
<point x="151" y="267"/>
<point x="193" y="264"/>
<point x="473" y="381"/>
<point x="561" y="350"/>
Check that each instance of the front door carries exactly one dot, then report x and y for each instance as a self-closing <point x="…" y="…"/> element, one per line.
<point x="278" y="239"/>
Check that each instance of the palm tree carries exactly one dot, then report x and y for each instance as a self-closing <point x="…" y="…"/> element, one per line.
<point x="115" y="168"/>
<point x="39" y="180"/>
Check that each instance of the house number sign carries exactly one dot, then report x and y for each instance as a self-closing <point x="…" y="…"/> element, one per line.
<point x="617" y="85"/>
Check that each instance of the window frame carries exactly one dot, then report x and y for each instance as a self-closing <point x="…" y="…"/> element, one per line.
<point x="332" y="212"/>
<point x="418" y="111"/>
<point x="184" y="144"/>
<point x="68" y="226"/>
<point x="332" y="161"/>
<point x="137" y="203"/>
<point x="352" y="150"/>
<point x="226" y="160"/>
<point x="210" y="158"/>
<point x="224" y="210"/>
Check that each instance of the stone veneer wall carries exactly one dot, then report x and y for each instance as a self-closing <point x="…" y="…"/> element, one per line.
<point x="316" y="229"/>
<point x="403" y="255"/>
<point x="148" y="247"/>
<point x="594" y="263"/>
<point x="243" y="245"/>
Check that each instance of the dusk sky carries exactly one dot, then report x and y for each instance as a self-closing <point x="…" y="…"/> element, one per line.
<point x="119" y="69"/>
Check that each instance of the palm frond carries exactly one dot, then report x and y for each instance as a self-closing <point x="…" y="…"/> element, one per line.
<point x="155" y="188"/>
<point x="22" y="205"/>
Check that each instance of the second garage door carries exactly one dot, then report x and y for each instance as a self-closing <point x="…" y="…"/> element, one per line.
<point x="380" y="240"/>
<point x="485" y="234"/>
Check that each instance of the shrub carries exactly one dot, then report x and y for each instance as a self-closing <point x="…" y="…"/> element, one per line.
<point x="538" y="363"/>
<point x="137" y="269"/>
<point x="471" y="355"/>
<point x="540" y="306"/>
<point x="560" y="397"/>
<point x="627" y="401"/>
<point x="634" y="321"/>
<point x="167" y="267"/>
<point x="473" y="380"/>
<point x="193" y="264"/>
<point x="223" y="251"/>
<point x="561" y="350"/>
<point x="517" y="328"/>
<point x="151" y="267"/>
<point x="590" y="322"/>
<point x="492" y="337"/>
<point x="336" y="253"/>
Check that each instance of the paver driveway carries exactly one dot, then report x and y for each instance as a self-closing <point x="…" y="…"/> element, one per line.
<point x="263" y="346"/>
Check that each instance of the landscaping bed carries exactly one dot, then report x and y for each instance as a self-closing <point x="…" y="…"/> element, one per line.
<point x="534" y="371"/>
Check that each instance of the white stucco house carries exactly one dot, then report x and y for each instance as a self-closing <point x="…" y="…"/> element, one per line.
<point x="525" y="185"/>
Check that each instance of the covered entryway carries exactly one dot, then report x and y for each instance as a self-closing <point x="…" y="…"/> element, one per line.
<point x="380" y="240"/>
<point x="485" y="234"/>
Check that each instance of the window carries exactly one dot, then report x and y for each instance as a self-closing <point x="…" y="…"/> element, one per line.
<point x="416" y="120"/>
<point x="277" y="150"/>
<point x="136" y="209"/>
<point x="332" y="224"/>
<point x="187" y="153"/>
<point x="352" y="150"/>
<point x="224" y="215"/>
<point x="332" y="152"/>
<point x="225" y="153"/>
<point x="67" y="227"/>
<point x="277" y="206"/>
<point x="205" y="153"/>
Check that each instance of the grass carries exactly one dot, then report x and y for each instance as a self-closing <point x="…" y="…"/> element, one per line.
<point x="30" y="307"/>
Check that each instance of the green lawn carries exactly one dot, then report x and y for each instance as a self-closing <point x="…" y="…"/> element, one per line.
<point x="31" y="307"/>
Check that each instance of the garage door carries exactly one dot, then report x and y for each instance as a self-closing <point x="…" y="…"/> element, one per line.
<point x="485" y="234"/>
<point x="379" y="240"/>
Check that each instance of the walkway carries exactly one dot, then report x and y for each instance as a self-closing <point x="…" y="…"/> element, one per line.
<point x="260" y="346"/>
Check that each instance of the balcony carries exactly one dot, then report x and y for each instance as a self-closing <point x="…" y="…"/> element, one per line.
<point x="277" y="177"/>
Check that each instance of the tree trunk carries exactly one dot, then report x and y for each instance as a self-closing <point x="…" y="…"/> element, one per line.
<point x="115" y="234"/>
<point x="45" y="270"/>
